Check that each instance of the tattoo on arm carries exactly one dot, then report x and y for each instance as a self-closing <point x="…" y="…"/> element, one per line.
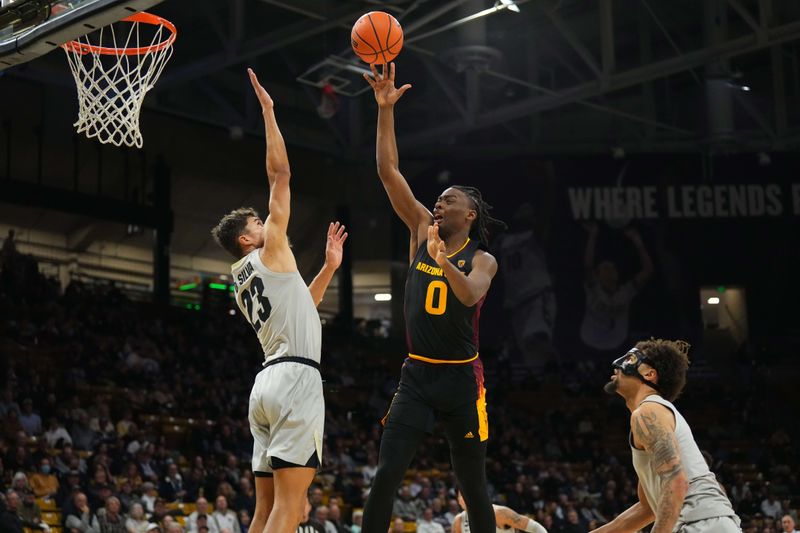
<point x="509" y="517"/>
<point x="661" y="443"/>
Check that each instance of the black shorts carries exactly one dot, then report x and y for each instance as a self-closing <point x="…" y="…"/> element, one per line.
<point x="452" y="394"/>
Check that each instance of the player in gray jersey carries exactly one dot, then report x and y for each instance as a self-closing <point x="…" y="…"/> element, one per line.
<point x="287" y="410"/>
<point x="677" y="491"/>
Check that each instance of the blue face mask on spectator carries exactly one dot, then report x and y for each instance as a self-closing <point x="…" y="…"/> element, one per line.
<point x="45" y="469"/>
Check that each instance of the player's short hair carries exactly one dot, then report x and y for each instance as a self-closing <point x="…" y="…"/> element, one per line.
<point x="671" y="361"/>
<point x="230" y="227"/>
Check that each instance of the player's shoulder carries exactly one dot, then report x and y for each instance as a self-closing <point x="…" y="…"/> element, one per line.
<point x="651" y="413"/>
<point x="483" y="257"/>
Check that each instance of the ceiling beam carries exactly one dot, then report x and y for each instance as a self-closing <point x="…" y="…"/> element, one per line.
<point x="573" y="40"/>
<point x="621" y="80"/>
<point x="747" y="17"/>
<point x="258" y="46"/>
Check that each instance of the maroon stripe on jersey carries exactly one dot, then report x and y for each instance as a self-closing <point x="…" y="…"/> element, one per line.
<point x="476" y="317"/>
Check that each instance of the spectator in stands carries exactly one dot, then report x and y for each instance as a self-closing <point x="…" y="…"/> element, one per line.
<point x="201" y="506"/>
<point x="787" y="524"/>
<point x="137" y="521"/>
<point x="246" y="498"/>
<point x="7" y="403"/>
<point x="126" y="424"/>
<point x="398" y="526"/>
<point x="771" y="507"/>
<point x="30" y="514"/>
<point x="83" y="438"/>
<point x="64" y="461"/>
<point x="44" y="483"/>
<point x="368" y="471"/>
<point x="358" y="517"/>
<point x="149" y="497"/>
<point x="110" y="518"/>
<point x="335" y="517"/>
<point x="308" y="523"/>
<point x="9" y="519"/>
<point x="81" y="519"/>
<point x="172" y="486"/>
<point x="438" y="513"/>
<point x="31" y="422"/>
<point x="174" y="527"/>
<point x="223" y="518"/>
<point x="605" y="320"/>
<point x="426" y="524"/>
<point x="321" y="514"/>
<point x="56" y="435"/>
<point x="202" y="522"/>
<point x="20" y="483"/>
<point x="244" y="519"/>
<point x="160" y="513"/>
<point x="69" y="487"/>
<point x="315" y="499"/>
<point x="453" y="510"/>
<point x="11" y="424"/>
<point x="573" y="523"/>
<point x="405" y="506"/>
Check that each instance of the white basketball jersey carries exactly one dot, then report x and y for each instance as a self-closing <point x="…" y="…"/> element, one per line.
<point x="465" y="523"/>
<point x="279" y="307"/>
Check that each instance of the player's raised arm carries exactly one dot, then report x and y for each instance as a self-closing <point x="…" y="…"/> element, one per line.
<point x="412" y="212"/>
<point x="278" y="171"/>
<point x="333" y="259"/>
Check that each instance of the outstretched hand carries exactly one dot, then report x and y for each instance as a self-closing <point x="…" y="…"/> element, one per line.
<point x="386" y="94"/>
<point x="436" y="248"/>
<point x="263" y="96"/>
<point x="334" y="245"/>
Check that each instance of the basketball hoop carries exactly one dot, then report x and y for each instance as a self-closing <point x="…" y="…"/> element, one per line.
<point x="112" y="79"/>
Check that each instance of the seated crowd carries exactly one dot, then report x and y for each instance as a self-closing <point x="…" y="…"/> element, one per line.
<point x="116" y="416"/>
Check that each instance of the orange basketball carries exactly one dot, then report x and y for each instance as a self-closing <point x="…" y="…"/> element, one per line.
<point x="377" y="37"/>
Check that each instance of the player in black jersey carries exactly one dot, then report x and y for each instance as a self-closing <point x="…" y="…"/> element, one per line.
<point x="442" y="379"/>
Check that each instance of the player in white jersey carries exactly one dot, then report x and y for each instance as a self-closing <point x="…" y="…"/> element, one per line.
<point x="287" y="410"/>
<point x="677" y="491"/>
<point x="506" y="520"/>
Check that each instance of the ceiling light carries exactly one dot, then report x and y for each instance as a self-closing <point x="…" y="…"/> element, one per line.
<point x="510" y="5"/>
<point x="713" y="300"/>
<point x="746" y="88"/>
<point x="383" y="297"/>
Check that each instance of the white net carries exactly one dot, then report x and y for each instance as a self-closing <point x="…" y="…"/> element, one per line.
<point x="113" y="77"/>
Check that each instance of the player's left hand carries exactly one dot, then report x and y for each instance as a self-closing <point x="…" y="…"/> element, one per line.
<point x="333" y="247"/>
<point x="263" y="96"/>
<point x="436" y="248"/>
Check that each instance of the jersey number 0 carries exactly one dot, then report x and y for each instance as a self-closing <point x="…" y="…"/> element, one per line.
<point x="437" y="290"/>
<point x="255" y="294"/>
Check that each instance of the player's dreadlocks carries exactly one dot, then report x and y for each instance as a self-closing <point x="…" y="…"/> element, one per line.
<point x="480" y="228"/>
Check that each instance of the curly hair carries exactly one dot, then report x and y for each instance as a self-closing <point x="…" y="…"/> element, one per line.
<point x="671" y="361"/>
<point x="480" y="227"/>
<point x="227" y="232"/>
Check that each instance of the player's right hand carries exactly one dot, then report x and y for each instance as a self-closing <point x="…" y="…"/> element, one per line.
<point x="386" y="94"/>
<point x="263" y="96"/>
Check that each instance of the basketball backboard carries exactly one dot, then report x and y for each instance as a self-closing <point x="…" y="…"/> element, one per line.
<point x="31" y="28"/>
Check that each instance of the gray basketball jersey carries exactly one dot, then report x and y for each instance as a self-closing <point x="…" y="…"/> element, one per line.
<point x="705" y="498"/>
<point x="279" y="307"/>
<point x="465" y="524"/>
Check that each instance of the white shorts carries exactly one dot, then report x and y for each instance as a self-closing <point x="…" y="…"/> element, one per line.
<point x="287" y="415"/>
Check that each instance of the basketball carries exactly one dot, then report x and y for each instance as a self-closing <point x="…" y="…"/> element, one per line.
<point x="377" y="37"/>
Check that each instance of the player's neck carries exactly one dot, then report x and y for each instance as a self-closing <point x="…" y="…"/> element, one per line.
<point x="634" y="401"/>
<point x="453" y="243"/>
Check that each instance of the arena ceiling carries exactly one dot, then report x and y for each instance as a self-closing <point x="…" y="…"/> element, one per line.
<point x="559" y="76"/>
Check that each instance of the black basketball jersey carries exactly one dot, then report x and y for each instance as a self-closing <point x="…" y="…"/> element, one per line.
<point x="439" y="328"/>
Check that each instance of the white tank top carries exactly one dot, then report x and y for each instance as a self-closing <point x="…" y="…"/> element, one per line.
<point x="705" y="498"/>
<point x="280" y="308"/>
<point x="465" y="523"/>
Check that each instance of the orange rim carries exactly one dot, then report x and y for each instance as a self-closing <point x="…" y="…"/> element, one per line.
<point x="144" y="18"/>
